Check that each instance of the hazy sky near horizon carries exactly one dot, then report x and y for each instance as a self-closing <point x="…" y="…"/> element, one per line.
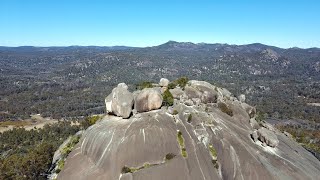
<point x="283" y="23"/>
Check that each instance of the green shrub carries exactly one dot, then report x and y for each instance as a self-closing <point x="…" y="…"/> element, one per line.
<point x="189" y="118"/>
<point x="182" y="145"/>
<point x="146" y="165"/>
<point x="172" y="85"/>
<point x="68" y="148"/>
<point x="167" y="98"/>
<point x="60" y="165"/>
<point x="260" y="117"/>
<point x="224" y="108"/>
<point x="184" y="152"/>
<point x="125" y="169"/>
<point x="89" y="121"/>
<point x="170" y="156"/>
<point x="212" y="150"/>
<point x="180" y="139"/>
<point x="175" y="112"/>
<point x="182" y="82"/>
<point x="215" y="164"/>
<point x="144" y="84"/>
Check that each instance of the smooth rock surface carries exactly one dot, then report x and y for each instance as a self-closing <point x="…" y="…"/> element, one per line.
<point x="148" y="99"/>
<point x="120" y="101"/>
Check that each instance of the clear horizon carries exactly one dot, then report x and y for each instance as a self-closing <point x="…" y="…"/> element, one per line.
<point x="145" y="23"/>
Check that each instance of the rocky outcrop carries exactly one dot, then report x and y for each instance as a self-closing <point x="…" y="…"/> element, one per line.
<point x="268" y="137"/>
<point x="176" y="92"/>
<point x="120" y="101"/>
<point x="201" y="90"/>
<point x="249" y="109"/>
<point x="148" y="99"/>
<point x="164" y="82"/>
<point x="187" y="142"/>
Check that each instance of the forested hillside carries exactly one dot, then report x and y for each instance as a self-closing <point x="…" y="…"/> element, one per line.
<point x="73" y="81"/>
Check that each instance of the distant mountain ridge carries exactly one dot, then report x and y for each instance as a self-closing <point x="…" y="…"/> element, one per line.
<point x="169" y="43"/>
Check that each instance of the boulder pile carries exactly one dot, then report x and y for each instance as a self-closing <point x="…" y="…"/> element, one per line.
<point x="205" y="133"/>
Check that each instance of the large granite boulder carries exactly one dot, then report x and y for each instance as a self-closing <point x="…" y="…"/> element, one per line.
<point x="148" y="99"/>
<point x="268" y="137"/>
<point x="120" y="101"/>
<point x="202" y="90"/>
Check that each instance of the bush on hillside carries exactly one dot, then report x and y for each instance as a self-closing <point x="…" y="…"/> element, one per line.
<point x="167" y="98"/>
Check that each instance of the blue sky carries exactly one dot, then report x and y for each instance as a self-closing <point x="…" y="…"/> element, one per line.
<point x="283" y="23"/>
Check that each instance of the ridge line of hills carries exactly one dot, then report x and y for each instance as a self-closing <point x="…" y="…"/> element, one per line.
<point x="123" y="47"/>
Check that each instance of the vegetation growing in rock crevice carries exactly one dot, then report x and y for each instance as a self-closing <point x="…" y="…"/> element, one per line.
<point x="182" y="82"/>
<point x="189" y="120"/>
<point x="182" y="145"/>
<point x="68" y="148"/>
<point x="169" y="156"/>
<point x="126" y="169"/>
<point x="175" y="112"/>
<point x="213" y="153"/>
<point x="224" y="108"/>
<point x="167" y="98"/>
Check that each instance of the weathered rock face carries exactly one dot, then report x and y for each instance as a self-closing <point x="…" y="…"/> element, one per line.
<point x="148" y="99"/>
<point x="268" y="137"/>
<point x="201" y="90"/>
<point x="176" y="92"/>
<point x="120" y="101"/>
<point x="193" y="143"/>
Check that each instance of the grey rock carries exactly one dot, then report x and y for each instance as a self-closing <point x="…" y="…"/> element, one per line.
<point x="164" y="82"/>
<point x="120" y="101"/>
<point x="196" y="101"/>
<point x="127" y="176"/>
<point x="254" y="136"/>
<point x="188" y="102"/>
<point x="254" y="124"/>
<point x="170" y="110"/>
<point x="242" y="98"/>
<point x="201" y="90"/>
<point x="249" y="109"/>
<point x="268" y="126"/>
<point x="176" y="92"/>
<point x="268" y="137"/>
<point x="287" y="134"/>
<point x="148" y="99"/>
<point x="192" y="92"/>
